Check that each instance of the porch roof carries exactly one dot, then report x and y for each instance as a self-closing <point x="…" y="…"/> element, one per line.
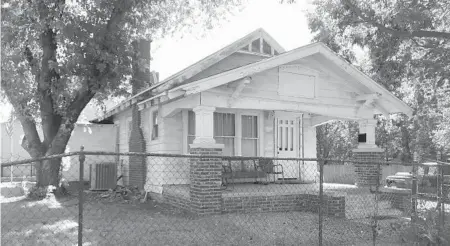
<point x="398" y="106"/>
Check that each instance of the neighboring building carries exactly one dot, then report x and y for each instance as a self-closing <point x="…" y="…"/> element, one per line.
<point x="254" y="98"/>
<point x="93" y="137"/>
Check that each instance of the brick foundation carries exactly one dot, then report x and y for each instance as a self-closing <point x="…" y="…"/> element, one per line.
<point x="366" y="173"/>
<point x="177" y="201"/>
<point x="205" y="181"/>
<point x="333" y="206"/>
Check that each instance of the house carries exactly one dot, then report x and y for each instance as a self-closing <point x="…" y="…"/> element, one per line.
<point x="251" y="98"/>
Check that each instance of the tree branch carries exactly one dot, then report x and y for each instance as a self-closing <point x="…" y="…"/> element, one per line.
<point x="48" y="76"/>
<point x="396" y="33"/>
<point x="32" y="62"/>
<point x="99" y="78"/>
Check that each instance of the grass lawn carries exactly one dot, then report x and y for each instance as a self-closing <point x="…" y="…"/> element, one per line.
<point x="53" y="221"/>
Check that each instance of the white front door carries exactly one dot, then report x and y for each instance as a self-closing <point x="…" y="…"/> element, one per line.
<point x="287" y="143"/>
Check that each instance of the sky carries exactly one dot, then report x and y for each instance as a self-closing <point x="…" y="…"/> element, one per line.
<point x="286" y="23"/>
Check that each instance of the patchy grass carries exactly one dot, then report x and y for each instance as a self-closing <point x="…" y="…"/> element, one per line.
<point x="54" y="221"/>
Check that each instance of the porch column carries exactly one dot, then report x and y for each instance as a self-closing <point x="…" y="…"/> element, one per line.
<point x="367" y="173"/>
<point x="205" y="173"/>
<point x="204" y="125"/>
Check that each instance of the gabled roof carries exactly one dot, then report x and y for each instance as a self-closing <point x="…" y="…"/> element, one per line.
<point x="219" y="55"/>
<point x="290" y="56"/>
<point x="199" y="66"/>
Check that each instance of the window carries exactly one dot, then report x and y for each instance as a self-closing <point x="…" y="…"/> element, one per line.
<point x="129" y="128"/>
<point x="191" y="128"/>
<point x="226" y="127"/>
<point x="249" y="142"/>
<point x="155" y="125"/>
<point x="224" y="131"/>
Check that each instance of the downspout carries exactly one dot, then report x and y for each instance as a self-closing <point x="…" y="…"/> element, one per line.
<point x="303" y="146"/>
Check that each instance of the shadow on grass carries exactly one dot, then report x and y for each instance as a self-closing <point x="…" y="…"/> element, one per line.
<point x="54" y="221"/>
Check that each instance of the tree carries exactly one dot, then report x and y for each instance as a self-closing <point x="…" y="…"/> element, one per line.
<point x="336" y="140"/>
<point x="408" y="47"/>
<point x="59" y="55"/>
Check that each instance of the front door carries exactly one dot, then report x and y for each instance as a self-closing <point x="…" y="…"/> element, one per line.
<point x="287" y="143"/>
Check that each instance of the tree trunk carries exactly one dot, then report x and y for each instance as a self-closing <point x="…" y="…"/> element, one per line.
<point x="50" y="173"/>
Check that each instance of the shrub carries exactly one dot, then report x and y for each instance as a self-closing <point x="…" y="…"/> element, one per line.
<point x="425" y="230"/>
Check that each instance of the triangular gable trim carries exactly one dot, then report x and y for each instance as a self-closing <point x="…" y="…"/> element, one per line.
<point x="217" y="56"/>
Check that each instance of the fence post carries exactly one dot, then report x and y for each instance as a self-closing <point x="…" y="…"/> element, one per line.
<point x="82" y="157"/>
<point x="414" y="188"/>
<point x="321" y="163"/>
<point x="441" y="196"/>
<point x="375" y="214"/>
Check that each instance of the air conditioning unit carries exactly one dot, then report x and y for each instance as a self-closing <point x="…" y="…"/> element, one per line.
<point x="103" y="176"/>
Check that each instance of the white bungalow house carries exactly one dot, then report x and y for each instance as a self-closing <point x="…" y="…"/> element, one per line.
<point x="256" y="99"/>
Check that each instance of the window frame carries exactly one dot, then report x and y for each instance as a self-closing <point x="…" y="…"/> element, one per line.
<point x="238" y="113"/>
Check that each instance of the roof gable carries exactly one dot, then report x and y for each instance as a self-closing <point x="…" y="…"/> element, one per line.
<point x="296" y="54"/>
<point x="259" y="35"/>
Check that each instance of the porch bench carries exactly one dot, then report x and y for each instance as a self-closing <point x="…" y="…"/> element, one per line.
<point x="256" y="170"/>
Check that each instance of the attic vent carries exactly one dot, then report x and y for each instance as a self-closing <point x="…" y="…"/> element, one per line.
<point x="260" y="46"/>
<point x="255" y="46"/>
<point x="266" y="48"/>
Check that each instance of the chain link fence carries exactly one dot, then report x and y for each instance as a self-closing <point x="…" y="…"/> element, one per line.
<point x="161" y="199"/>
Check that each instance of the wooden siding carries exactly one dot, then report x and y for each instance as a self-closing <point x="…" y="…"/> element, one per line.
<point x="166" y="170"/>
<point x="121" y="119"/>
<point x="309" y="168"/>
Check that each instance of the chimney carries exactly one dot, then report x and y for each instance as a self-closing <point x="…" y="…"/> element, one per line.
<point x="141" y="65"/>
<point x="141" y="79"/>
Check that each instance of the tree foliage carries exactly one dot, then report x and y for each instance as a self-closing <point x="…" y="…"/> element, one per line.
<point x="408" y="47"/>
<point x="58" y="55"/>
<point x="335" y="139"/>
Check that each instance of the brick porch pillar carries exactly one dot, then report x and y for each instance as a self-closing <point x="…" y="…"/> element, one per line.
<point x="367" y="173"/>
<point x="205" y="173"/>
